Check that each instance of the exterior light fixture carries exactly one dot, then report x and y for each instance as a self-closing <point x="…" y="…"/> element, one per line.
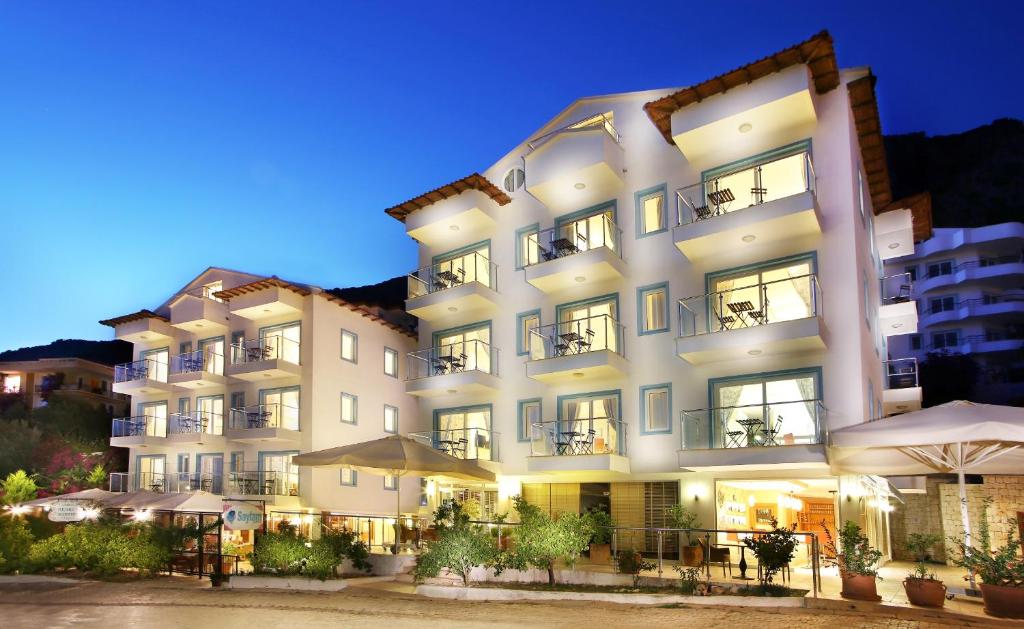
<point x="454" y="228"/>
<point x="577" y="374"/>
<point x="755" y="352"/>
<point x="894" y="245"/>
<point x="749" y="238"/>
<point x="580" y="279"/>
<point x="199" y="325"/>
<point x="142" y="516"/>
<point x="580" y="185"/>
<point x="451" y="391"/>
<point x="746" y="127"/>
<point x="266" y="310"/>
<point x="452" y="309"/>
<point x="897" y="325"/>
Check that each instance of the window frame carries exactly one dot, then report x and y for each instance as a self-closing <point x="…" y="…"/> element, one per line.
<point x="353" y="477"/>
<point x="641" y="309"/>
<point x="521" y="233"/>
<point x="394" y="431"/>
<point x="355" y="346"/>
<point x="355" y="409"/>
<point x="395" y="480"/>
<point x="389" y="351"/>
<point x="521" y="405"/>
<point x="639" y="198"/>
<point x="645" y="390"/>
<point x="522" y="338"/>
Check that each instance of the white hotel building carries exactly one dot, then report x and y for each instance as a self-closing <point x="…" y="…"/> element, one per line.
<point x="671" y="296"/>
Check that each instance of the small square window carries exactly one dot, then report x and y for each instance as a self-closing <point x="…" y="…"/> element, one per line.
<point x="348" y="477"/>
<point x="656" y="408"/>
<point x="390" y="419"/>
<point x="915" y="341"/>
<point x="390" y="362"/>
<point x="653" y="306"/>
<point x="390" y="482"/>
<point x="349" y="408"/>
<point x="349" y="346"/>
<point x="651" y="215"/>
<point x="526" y="321"/>
<point x="529" y="414"/>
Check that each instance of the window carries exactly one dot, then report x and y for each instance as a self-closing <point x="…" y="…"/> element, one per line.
<point x="936" y="269"/>
<point x="281" y="341"/>
<point x="183" y="467"/>
<point x="514" y="179"/>
<point x="912" y="272"/>
<point x="347" y="477"/>
<point x="587" y="229"/>
<point x="526" y="321"/>
<point x="780" y="290"/>
<point x="915" y="341"/>
<point x="527" y="245"/>
<point x="282" y="407"/>
<point x="349" y="346"/>
<point x="651" y="214"/>
<point x="237" y="462"/>
<point x="786" y="405"/>
<point x="861" y="205"/>
<point x="185" y="347"/>
<point x="942" y="304"/>
<point x="390" y="362"/>
<point x="470" y="425"/>
<point x="212" y="352"/>
<point x="471" y="344"/>
<point x="238" y="399"/>
<point x="349" y="408"/>
<point x="945" y="340"/>
<point x="391" y="419"/>
<point x="184" y="405"/>
<point x="529" y="414"/>
<point x="468" y="264"/>
<point x="652" y="308"/>
<point x="595" y="321"/>
<point x="656" y="408"/>
<point x="210" y="290"/>
<point x="11" y="383"/>
<point x="390" y="482"/>
<point x="596" y="417"/>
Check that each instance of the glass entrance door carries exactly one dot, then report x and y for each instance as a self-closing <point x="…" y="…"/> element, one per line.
<point x="211" y="473"/>
<point x="150" y="472"/>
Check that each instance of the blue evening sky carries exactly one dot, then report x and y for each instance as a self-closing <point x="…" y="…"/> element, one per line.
<point x="141" y="142"/>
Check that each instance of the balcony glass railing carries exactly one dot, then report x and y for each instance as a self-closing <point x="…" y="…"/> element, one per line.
<point x="263" y="483"/>
<point x="199" y="361"/>
<point x="259" y="416"/>
<point x="750" y="186"/>
<point x="579" y="336"/>
<point x="471" y="444"/>
<point x="456" y="358"/>
<point x="896" y="289"/>
<point x="139" y="426"/>
<point x="600" y="435"/>
<point x="570" y="239"/>
<point x="145" y="369"/>
<point x="751" y="305"/>
<point x="753" y="425"/>
<point x="472" y="267"/>
<point x="196" y="423"/>
<point x="263" y="349"/>
<point x="901" y="373"/>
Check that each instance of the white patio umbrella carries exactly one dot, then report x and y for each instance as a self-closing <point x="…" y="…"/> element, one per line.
<point x="396" y="456"/>
<point x="88" y="495"/>
<point x="957" y="437"/>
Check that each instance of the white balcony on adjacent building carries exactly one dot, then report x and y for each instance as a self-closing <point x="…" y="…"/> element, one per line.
<point x="196" y="428"/>
<point x="199" y="313"/>
<point x="902" y="391"/>
<point x="469" y="366"/>
<point x="146" y="377"/>
<point x="894" y="234"/>
<point x="265" y="302"/>
<point x="897" y="313"/>
<point x="784" y="435"/>
<point x="1006" y="271"/>
<point x="584" y="251"/>
<point x="993" y="341"/>
<point x="758" y="319"/>
<point x="197" y="370"/>
<point x="576" y="166"/>
<point x="138" y="432"/>
<point x="581" y="445"/>
<point x="589" y="348"/>
<point x="764" y="204"/>
<point x="1004" y="306"/>
<point x="149" y="330"/>
<point x="264" y="423"/>
<point x="466" y="286"/>
<point x="264" y="359"/>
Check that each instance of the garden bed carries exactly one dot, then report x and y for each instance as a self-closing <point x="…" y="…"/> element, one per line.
<point x="269" y="582"/>
<point x="644" y="595"/>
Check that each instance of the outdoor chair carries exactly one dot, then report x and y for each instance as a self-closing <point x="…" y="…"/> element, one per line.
<point x="717" y="555"/>
<point x="734" y="438"/>
<point x="587" y="341"/>
<point x="771" y="434"/>
<point x="703" y="212"/>
<point x="588" y="443"/>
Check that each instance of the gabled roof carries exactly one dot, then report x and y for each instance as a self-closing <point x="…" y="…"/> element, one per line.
<point x="135" y="316"/>
<point x="869" y="134"/>
<point x="271" y="282"/>
<point x="817" y="53"/>
<point x="476" y="181"/>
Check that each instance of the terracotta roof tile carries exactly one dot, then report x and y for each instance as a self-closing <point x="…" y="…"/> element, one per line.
<point x="135" y="316"/>
<point x="476" y="181"/>
<point x="270" y="282"/>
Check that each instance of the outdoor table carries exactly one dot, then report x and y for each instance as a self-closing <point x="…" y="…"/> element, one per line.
<point x="720" y="198"/>
<point x="743" y="560"/>
<point x="751" y="425"/>
<point x="571" y="338"/>
<point x="257" y="419"/>
<point x="564" y="247"/>
<point x="570" y="443"/>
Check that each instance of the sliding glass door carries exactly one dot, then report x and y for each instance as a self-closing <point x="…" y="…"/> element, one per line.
<point x="468" y="347"/>
<point x="589" y="424"/>
<point x="766" y="410"/>
<point x="778" y="292"/>
<point x="593" y="322"/>
<point x="282" y="341"/>
<point x="465" y="432"/>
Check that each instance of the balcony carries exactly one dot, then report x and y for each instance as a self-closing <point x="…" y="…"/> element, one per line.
<point x="894" y="234"/>
<point x="469" y="444"/>
<point x="144" y="330"/>
<point x="765" y="205"/>
<point x="993" y="341"/>
<point x="448" y="222"/>
<point x="582" y="348"/>
<point x="784" y="434"/>
<point x="196" y="428"/>
<point x="264" y="359"/>
<point x="588" y="250"/>
<point x="268" y="484"/>
<point x="902" y="391"/>
<point x="576" y="166"/>
<point x="467" y="285"/>
<point x="767" y="319"/>
<point x="201" y="369"/>
<point x="898" y="311"/>
<point x="467" y="367"/>
<point x="140" y="431"/>
<point x="199" y="313"/>
<point x="145" y="377"/>
<point x="156" y="482"/>
<point x="244" y="483"/>
<point x="1007" y="270"/>
<point x="1007" y="306"/>
<point x="264" y="422"/>
<point x="583" y="445"/>
<point x="266" y="302"/>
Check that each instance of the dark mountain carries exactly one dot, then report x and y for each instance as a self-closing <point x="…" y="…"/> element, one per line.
<point x="975" y="177"/>
<point x="389" y="294"/>
<point x="105" y="352"/>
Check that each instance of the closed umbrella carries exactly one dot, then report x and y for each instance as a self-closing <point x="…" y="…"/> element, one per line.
<point x="397" y="456"/>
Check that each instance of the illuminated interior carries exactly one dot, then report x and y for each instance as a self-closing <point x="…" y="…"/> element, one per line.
<point x="763" y="411"/>
<point x="770" y="294"/>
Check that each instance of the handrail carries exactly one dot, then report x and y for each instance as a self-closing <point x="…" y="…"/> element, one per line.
<point x="204" y="292"/>
<point x="587" y="124"/>
<point x="572" y="238"/>
<point x="904" y="288"/>
<point x="264" y="483"/>
<point x="752" y="306"/>
<point x="471" y="267"/>
<point x="265" y="348"/>
<point x="471" y="355"/>
<point x="197" y="361"/>
<point x="258" y="416"/>
<point x="197" y="422"/>
<point x="753" y="425"/>
<point x="578" y="437"/>
<point x="901" y="373"/>
<point x="142" y="369"/>
<point x="577" y="336"/>
<point x="139" y="426"/>
<point x="471" y="444"/>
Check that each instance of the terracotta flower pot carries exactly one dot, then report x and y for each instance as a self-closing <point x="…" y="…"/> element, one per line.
<point x="925" y="592"/>
<point x="859" y="587"/>
<point x="693" y="556"/>
<point x="600" y="553"/>
<point x="1003" y="601"/>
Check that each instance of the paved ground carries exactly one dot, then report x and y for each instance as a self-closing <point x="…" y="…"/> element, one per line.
<point x="187" y="603"/>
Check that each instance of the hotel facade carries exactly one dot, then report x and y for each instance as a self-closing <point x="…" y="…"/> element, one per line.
<point x="672" y="296"/>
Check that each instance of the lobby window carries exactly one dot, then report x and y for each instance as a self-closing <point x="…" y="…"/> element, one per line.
<point x="656" y="408"/>
<point x="529" y="414"/>
<point x="651" y="213"/>
<point x="653" y="304"/>
<point x="347" y="477"/>
<point x="390" y="419"/>
<point x="349" y="346"/>
<point x="390" y="362"/>
<point x="349" y="408"/>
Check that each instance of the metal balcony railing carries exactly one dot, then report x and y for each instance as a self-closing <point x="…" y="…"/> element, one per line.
<point x="198" y="361"/>
<point x="139" y="426"/>
<point x="896" y="289"/>
<point x="145" y="369"/>
<point x="258" y="416"/>
<point x="461" y="357"/>
<point x="578" y="336"/>
<point x="901" y="373"/>
<point x="471" y="444"/>
<point x="753" y="425"/>
<point x="751" y="305"/>
<point x="599" y="435"/>
<point x="472" y="267"/>
<point x="739" y="189"/>
<point x="262" y="349"/>
<point x="206" y="292"/>
<point x="570" y="239"/>
<point x="263" y="483"/>
<point x="196" y="423"/>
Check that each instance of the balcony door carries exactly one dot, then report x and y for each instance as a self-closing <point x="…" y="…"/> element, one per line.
<point x="471" y="264"/>
<point x="156" y="363"/>
<point x="473" y="425"/>
<point x="766" y="410"/>
<point x="588" y="424"/>
<point x="594" y="322"/>
<point x="772" y="293"/>
<point x="155" y="415"/>
<point x="282" y="406"/>
<point x="473" y="342"/>
<point x="210" y="411"/>
<point x="280" y="476"/>
<point x="149" y="472"/>
<point x="589" y="230"/>
<point x="282" y="341"/>
<point x="211" y="473"/>
<point x="212" y="351"/>
<point x="776" y="175"/>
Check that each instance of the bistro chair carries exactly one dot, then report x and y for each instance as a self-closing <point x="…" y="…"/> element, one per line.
<point x="717" y="555"/>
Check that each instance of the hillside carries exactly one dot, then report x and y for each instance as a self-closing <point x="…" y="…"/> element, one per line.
<point x="104" y="352"/>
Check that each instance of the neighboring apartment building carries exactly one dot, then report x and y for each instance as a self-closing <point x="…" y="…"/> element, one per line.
<point x="670" y="296"/>
<point x="969" y="289"/>
<point x="236" y="373"/>
<point x="75" y="378"/>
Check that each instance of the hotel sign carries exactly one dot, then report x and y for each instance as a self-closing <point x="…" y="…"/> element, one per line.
<point x="242" y="516"/>
<point x="65" y="511"/>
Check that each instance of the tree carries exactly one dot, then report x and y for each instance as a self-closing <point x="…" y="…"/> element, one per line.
<point x="460" y="545"/>
<point x="773" y="550"/>
<point x="946" y="377"/>
<point x="541" y="540"/>
<point x="18" y="487"/>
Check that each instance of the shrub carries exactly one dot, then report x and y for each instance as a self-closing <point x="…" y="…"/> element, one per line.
<point x="1002" y="566"/>
<point x="602" y="524"/>
<point x="460" y="546"/>
<point x="286" y="553"/>
<point x="15" y="544"/>
<point x="679" y="517"/>
<point x="632" y="563"/>
<point x="278" y="553"/>
<point x="103" y="548"/>
<point x="919" y="544"/>
<point x="854" y="555"/>
<point x="773" y="550"/>
<point x="541" y="540"/>
<point x="689" y="579"/>
<point x="18" y="487"/>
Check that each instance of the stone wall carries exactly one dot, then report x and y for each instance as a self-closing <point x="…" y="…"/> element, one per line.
<point x="922" y="513"/>
<point x="1007" y="495"/>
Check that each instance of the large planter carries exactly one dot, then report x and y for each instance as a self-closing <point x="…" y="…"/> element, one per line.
<point x="925" y="592"/>
<point x="1003" y="601"/>
<point x="600" y="553"/>
<point x="693" y="556"/>
<point x="859" y="587"/>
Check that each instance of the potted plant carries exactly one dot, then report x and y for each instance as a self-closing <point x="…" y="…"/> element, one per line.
<point x="1001" y="570"/>
<point x="632" y="563"/>
<point x="857" y="562"/>
<point x="679" y="517"/>
<point x="921" y="585"/>
<point x="600" y="540"/>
